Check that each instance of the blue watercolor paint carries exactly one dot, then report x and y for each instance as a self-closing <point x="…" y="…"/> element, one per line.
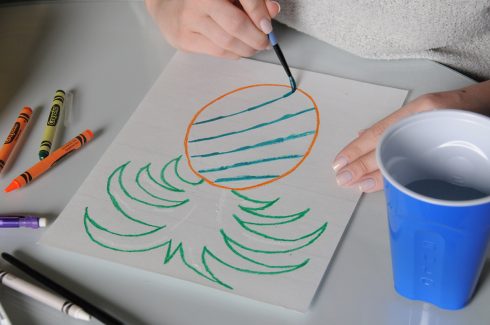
<point x="244" y="178"/>
<point x="443" y="190"/>
<point x="257" y="145"/>
<point x="293" y="84"/>
<point x="248" y="163"/>
<point x="243" y="111"/>
<point x="284" y="117"/>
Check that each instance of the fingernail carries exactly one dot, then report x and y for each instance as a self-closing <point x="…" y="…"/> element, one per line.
<point x="367" y="185"/>
<point x="339" y="163"/>
<point x="344" y="177"/>
<point x="277" y="4"/>
<point x="266" y="26"/>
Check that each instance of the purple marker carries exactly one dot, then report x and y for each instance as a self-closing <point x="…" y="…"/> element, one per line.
<point x="22" y="221"/>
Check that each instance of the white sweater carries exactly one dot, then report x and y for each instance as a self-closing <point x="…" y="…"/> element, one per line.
<point x="453" y="32"/>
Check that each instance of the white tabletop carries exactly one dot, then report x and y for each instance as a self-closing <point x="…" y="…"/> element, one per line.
<point x="109" y="53"/>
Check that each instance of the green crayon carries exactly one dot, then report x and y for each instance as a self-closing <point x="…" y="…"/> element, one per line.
<point x="51" y="124"/>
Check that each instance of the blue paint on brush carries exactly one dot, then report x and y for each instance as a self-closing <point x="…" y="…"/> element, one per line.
<point x="282" y="59"/>
<point x="292" y="82"/>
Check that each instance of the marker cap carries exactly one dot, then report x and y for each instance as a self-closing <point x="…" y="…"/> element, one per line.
<point x="42" y="222"/>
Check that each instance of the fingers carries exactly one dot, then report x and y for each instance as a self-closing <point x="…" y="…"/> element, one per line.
<point x="362" y="172"/>
<point x="371" y="182"/>
<point x="197" y="43"/>
<point x="259" y="13"/>
<point x="223" y="27"/>
<point x="356" y="164"/>
<point x="237" y="23"/>
<point x="273" y="7"/>
<point x="364" y="143"/>
<point x="222" y="39"/>
<point x="355" y="170"/>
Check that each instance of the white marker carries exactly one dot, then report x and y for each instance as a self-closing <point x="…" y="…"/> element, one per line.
<point x="4" y="319"/>
<point x="43" y="296"/>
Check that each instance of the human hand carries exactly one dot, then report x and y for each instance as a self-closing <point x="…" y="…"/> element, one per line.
<point x="356" y="164"/>
<point x="222" y="28"/>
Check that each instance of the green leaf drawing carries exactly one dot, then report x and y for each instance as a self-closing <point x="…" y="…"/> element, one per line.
<point x="252" y="218"/>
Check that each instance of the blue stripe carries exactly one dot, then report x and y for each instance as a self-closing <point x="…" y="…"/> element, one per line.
<point x="244" y="178"/>
<point x="247" y="163"/>
<point x="285" y="117"/>
<point x="257" y="145"/>
<point x="244" y="111"/>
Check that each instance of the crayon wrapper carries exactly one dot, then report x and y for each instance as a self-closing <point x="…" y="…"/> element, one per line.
<point x="70" y="146"/>
<point x="53" y="120"/>
<point x="14" y="135"/>
<point x="45" y="164"/>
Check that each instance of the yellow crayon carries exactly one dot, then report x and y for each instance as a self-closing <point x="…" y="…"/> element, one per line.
<point x="51" y="124"/>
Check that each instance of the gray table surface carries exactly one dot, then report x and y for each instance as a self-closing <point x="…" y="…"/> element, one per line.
<point x="109" y="53"/>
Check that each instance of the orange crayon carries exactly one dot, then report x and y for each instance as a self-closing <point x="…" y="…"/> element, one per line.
<point x="48" y="162"/>
<point x="14" y="135"/>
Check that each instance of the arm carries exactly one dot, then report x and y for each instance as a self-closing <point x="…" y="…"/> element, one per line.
<point x="223" y="28"/>
<point x="356" y="163"/>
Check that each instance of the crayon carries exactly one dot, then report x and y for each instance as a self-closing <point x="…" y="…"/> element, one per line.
<point x="45" y="164"/>
<point x="14" y="135"/>
<point x="52" y="124"/>
<point x="44" y="296"/>
<point x="22" y="222"/>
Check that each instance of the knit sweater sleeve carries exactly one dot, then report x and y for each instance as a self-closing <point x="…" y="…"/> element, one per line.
<point x="453" y="32"/>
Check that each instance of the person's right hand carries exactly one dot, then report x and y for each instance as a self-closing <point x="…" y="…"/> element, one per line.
<point x="222" y="28"/>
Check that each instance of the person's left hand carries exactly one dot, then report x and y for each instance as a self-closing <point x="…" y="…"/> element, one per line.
<point x="356" y="164"/>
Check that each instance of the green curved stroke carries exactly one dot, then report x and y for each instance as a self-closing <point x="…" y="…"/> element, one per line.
<point x="98" y="226"/>
<point x="294" y="216"/>
<point x="180" y="249"/>
<point x="243" y="224"/>
<point x="165" y="184"/>
<point x="118" y="207"/>
<point x="143" y="188"/>
<point x="87" y="220"/>
<point x="315" y="236"/>
<point x="255" y="209"/>
<point x="176" y="170"/>
<point x="246" y="198"/>
<point x="164" y="179"/>
<point x="120" y="170"/>
<point x="229" y="244"/>
<point x="285" y="269"/>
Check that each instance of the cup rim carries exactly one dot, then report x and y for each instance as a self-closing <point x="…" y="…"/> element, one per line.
<point x="414" y="119"/>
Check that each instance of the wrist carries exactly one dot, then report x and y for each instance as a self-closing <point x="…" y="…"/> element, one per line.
<point x="475" y="98"/>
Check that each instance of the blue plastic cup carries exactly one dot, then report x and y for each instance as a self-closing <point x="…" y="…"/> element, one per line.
<point x="436" y="170"/>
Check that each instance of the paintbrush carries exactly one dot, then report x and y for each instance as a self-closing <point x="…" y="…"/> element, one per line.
<point x="282" y="59"/>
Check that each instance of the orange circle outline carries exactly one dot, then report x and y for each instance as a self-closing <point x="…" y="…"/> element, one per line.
<point x="210" y="182"/>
